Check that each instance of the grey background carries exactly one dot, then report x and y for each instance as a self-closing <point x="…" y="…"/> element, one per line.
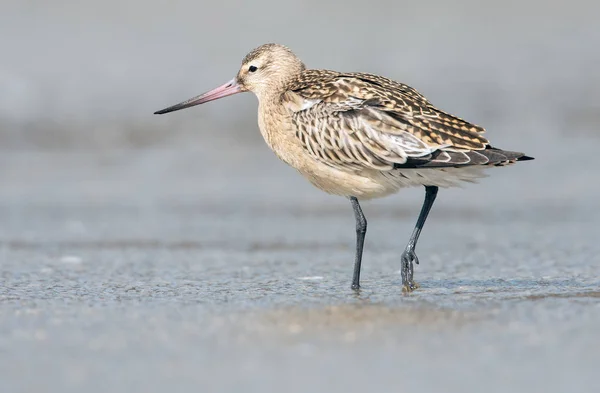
<point x="147" y="253"/>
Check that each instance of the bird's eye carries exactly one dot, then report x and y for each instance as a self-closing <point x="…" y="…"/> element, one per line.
<point x="252" y="68"/>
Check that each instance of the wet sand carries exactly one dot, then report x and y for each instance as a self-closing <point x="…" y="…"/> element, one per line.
<point x="127" y="264"/>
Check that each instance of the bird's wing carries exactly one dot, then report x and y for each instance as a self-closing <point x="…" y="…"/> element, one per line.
<point x="356" y="121"/>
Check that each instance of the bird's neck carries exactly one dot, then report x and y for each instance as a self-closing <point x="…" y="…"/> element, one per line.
<point x="272" y="93"/>
<point x="276" y="127"/>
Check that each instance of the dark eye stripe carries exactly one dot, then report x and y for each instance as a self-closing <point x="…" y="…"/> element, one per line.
<point x="252" y="68"/>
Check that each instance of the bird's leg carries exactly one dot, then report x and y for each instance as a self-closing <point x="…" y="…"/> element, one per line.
<point x="361" y="230"/>
<point x="409" y="256"/>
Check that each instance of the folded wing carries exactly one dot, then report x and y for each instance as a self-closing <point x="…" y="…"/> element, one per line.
<point x="356" y="121"/>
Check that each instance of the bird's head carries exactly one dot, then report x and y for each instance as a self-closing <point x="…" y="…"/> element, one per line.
<point x="265" y="71"/>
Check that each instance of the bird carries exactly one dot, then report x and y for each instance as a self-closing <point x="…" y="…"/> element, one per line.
<point x="360" y="136"/>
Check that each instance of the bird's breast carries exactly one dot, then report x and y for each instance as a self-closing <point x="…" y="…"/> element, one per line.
<point x="276" y="127"/>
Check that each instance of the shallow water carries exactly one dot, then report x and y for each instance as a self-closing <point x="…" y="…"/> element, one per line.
<point x="126" y="264"/>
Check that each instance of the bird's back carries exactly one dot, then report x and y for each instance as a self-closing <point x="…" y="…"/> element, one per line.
<point x="355" y="120"/>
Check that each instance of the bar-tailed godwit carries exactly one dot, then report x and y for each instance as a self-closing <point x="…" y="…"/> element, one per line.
<point x="359" y="135"/>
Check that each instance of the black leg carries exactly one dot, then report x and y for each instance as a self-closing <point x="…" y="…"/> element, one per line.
<point x="409" y="256"/>
<point x="361" y="230"/>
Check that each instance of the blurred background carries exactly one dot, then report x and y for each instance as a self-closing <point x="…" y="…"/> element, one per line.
<point x="122" y="233"/>
<point x="88" y="75"/>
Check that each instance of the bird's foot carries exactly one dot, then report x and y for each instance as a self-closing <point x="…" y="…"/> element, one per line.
<point x="409" y="287"/>
<point x="408" y="258"/>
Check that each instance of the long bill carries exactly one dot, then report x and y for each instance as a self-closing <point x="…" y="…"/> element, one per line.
<point x="225" y="90"/>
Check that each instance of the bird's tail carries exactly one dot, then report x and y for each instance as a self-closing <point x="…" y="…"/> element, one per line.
<point x="505" y="157"/>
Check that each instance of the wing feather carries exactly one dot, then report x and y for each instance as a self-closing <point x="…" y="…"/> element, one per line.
<point x="358" y="120"/>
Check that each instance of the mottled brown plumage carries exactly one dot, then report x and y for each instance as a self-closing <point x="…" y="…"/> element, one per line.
<point x="384" y="125"/>
<point x="359" y="135"/>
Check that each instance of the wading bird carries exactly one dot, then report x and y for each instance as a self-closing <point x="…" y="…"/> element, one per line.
<point x="359" y="135"/>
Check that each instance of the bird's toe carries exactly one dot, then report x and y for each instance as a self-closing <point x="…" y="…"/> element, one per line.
<point x="410" y="286"/>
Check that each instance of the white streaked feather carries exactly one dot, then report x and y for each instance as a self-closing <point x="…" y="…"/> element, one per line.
<point x="403" y="144"/>
<point x="307" y="104"/>
<point x="359" y="136"/>
<point x="441" y="177"/>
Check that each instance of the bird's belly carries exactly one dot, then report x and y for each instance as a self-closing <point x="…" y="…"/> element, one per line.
<point x="362" y="185"/>
<point x="369" y="184"/>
